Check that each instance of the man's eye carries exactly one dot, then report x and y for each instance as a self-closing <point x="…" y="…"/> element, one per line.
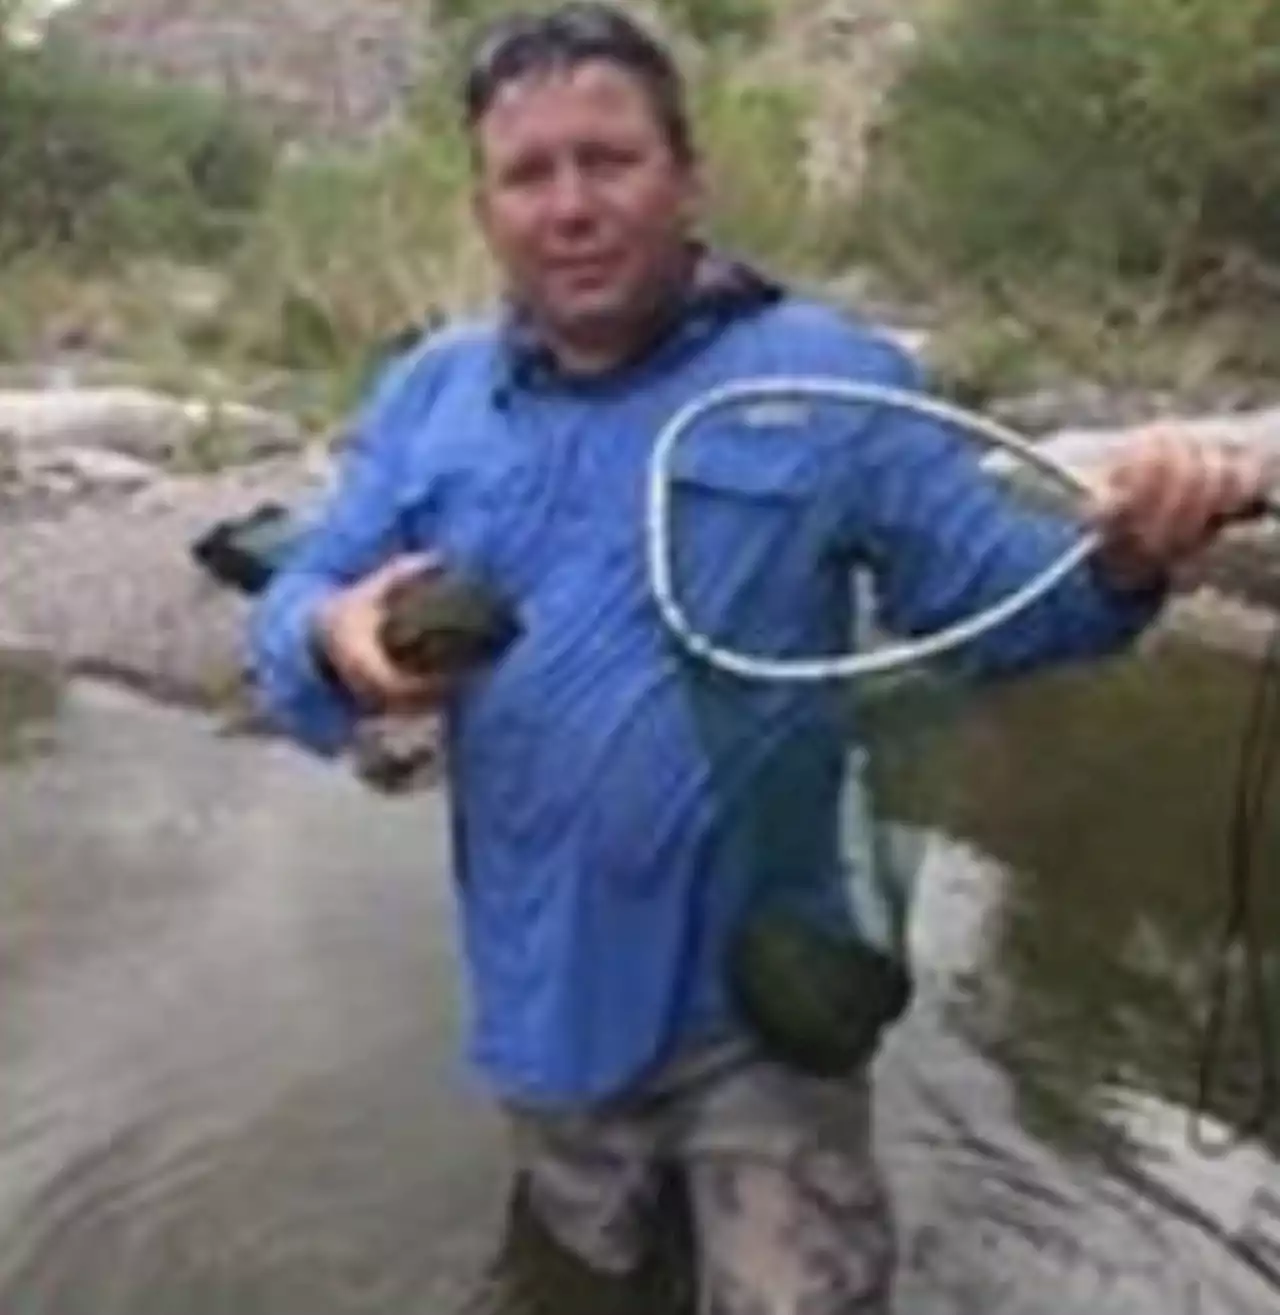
<point x="606" y="159"/>
<point x="528" y="172"/>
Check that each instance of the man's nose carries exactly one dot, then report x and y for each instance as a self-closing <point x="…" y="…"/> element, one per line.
<point x="570" y="199"/>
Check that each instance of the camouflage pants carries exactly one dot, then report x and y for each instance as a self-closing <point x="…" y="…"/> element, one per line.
<point x="788" y="1210"/>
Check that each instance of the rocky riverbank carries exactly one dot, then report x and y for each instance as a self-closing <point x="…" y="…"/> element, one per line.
<point x="98" y="513"/>
<point x="98" y="520"/>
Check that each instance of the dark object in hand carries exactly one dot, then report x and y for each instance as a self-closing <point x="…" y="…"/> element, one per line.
<point x="244" y="552"/>
<point x="437" y="622"/>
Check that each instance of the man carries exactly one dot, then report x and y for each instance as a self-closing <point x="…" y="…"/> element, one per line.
<point x="595" y="904"/>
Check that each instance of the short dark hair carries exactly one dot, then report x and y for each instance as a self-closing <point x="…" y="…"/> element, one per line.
<point x="569" y="35"/>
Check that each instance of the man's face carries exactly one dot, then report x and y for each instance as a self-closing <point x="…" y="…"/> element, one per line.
<point x="583" y="202"/>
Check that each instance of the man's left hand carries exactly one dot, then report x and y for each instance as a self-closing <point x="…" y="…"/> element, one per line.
<point x="1164" y="499"/>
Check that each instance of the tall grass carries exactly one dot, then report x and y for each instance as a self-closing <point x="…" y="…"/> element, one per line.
<point x="352" y="246"/>
<point x="1095" y="177"/>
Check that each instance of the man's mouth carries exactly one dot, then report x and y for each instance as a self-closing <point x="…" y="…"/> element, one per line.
<point x="584" y="271"/>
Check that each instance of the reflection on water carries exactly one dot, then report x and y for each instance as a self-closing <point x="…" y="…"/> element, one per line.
<point x="1111" y="795"/>
<point x="231" y="1080"/>
<point x="1100" y="803"/>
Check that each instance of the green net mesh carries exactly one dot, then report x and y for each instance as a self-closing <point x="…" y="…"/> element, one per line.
<point x="829" y="780"/>
<point x="823" y="787"/>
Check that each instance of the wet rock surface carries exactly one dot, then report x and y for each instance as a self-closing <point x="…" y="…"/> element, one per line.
<point x="136" y="422"/>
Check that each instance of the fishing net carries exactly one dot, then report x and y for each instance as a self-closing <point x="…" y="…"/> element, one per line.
<point x="817" y="725"/>
<point x="821" y="729"/>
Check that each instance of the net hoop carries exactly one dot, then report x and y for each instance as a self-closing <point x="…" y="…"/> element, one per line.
<point x="888" y="657"/>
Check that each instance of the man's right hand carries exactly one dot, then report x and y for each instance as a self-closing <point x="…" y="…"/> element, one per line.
<point x="347" y="634"/>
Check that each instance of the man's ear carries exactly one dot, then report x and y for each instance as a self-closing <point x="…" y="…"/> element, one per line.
<point x="694" y="205"/>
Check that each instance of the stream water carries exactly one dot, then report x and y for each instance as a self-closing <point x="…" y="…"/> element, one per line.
<point x="229" y="1066"/>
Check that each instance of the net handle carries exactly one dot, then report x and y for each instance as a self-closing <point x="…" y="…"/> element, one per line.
<point x="890" y="657"/>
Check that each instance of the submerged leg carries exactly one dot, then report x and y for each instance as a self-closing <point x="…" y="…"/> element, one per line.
<point x="791" y="1213"/>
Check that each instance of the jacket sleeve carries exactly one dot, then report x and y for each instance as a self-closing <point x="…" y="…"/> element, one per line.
<point x="943" y="542"/>
<point x="358" y="529"/>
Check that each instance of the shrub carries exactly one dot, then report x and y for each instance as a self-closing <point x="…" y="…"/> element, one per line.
<point x="353" y="245"/>
<point x="1102" y="149"/>
<point x="99" y="167"/>
<point x="714" y="21"/>
<point x="753" y="133"/>
<point x="708" y="21"/>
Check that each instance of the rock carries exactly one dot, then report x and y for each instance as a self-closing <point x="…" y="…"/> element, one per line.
<point x="1084" y="448"/>
<point x="1226" y="624"/>
<point x="1084" y="404"/>
<point x="1245" y="565"/>
<point x="64" y="370"/>
<point x="111" y="589"/>
<point x="139" y="423"/>
<point x="1080" y="405"/>
<point x="194" y="297"/>
<point x="40" y="481"/>
<point x="1245" y="562"/>
<point x="317" y="69"/>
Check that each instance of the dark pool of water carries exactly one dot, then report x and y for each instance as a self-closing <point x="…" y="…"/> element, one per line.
<point x="229" y="1069"/>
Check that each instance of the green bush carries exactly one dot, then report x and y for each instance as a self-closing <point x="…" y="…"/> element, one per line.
<point x="354" y="245"/>
<point x="753" y="135"/>
<point x="714" y="21"/>
<point x="1108" y="150"/>
<point x="100" y="167"/>
<point x="708" y="21"/>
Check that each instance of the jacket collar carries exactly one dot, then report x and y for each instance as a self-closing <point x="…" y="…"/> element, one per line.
<point x="720" y="289"/>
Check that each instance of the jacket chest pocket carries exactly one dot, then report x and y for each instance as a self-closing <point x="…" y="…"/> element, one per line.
<point x="747" y="534"/>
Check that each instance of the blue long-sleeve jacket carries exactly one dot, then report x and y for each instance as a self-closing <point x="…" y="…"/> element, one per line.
<point x="595" y="897"/>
